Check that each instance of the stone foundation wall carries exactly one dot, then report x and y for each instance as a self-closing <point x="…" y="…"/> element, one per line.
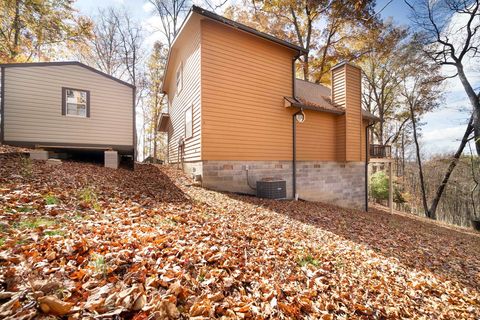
<point x="232" y="175"/>
<point x="342" y="184"/>
<point x="192" y="168"/>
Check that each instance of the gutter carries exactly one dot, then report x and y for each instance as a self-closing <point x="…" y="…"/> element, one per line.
<point x="245" y="28"/>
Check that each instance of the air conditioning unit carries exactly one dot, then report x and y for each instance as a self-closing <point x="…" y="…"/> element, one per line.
<point x="272" y="189"/>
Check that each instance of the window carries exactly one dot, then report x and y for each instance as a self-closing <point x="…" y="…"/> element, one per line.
<point x="188" y="122"/>
<point x="179" y="78"/>
<point x="75" y="103"/>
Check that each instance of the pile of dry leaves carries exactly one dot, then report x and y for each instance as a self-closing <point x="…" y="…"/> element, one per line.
<point x="81" y="241"/>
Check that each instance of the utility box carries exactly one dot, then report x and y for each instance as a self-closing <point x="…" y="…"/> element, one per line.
<point x="272" y="189"/>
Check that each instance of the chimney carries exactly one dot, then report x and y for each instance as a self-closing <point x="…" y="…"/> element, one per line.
<point x="346" y="93"/>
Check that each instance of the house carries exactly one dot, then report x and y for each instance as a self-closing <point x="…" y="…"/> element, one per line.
<point x="237" y="115"/>
<point x="66" y="106"/>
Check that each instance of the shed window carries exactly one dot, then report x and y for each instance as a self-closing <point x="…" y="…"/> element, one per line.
<point x="188" y="122"/>
<point x="76" y="103"/>
<point x="179" y="78"/>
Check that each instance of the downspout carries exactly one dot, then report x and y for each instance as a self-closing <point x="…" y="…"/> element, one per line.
<point x="294" y="161"/>
<point x="366" y="165"/>
<point x="294" y="126"/>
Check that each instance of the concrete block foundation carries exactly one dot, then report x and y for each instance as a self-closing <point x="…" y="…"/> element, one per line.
<point x="339" y="183"/>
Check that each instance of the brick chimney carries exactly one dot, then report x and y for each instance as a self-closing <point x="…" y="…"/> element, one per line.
<point x="346" y="93"/>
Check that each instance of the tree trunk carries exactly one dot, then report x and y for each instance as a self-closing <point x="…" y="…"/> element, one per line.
<point x="419" y="161"/>
<point x="305" y="68"/>
<point x="475" y="101"/>
<point x="453" y="164"/>
<point x="155" y="143"/>
<point x="16" y="29"/>
<point x="403" y="156"/>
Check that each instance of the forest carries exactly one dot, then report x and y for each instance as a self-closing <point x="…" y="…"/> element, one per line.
<point x="406" y="72"/>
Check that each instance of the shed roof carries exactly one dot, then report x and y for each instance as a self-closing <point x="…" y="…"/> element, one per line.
<point x="64" y="63"/>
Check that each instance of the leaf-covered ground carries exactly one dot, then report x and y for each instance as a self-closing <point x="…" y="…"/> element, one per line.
<point x="81" y="241"/>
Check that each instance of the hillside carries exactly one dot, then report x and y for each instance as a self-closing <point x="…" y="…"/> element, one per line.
<point x="81" y="240"/>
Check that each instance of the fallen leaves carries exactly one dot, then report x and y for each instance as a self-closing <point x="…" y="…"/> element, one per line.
<point x="54" y="306"/>
<point x="80" y="241"/>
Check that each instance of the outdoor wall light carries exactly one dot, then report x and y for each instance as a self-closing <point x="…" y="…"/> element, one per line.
<point x="300" y="117"/>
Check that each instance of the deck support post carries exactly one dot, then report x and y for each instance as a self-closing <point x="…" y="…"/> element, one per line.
<point x="390" y="186"/>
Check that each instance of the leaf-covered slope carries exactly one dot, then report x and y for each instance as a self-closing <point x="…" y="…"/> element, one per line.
<point x="80" y="240"/>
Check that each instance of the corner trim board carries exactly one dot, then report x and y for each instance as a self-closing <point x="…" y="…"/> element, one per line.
<point x="134" y="106"/>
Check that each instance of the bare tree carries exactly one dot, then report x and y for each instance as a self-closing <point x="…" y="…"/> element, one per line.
<point x="215" y="5"/>
<point x="421" y="92"/>
<point x="451" y="166"/>
<point x="131" y="41"/>
<point x="451" y="35"/>
<point x="156" y="98"/>
<point x="103" y="50"/>
<point x="131" y="38"/>
<point x="382" y="81"/>
<point x="171" y="13"/>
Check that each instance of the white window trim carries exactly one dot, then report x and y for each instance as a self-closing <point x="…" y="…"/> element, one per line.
<point x="65" y="103"/>
<point x="179" y="70"/>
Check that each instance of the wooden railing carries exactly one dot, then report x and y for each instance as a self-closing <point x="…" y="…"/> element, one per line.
<point x="380" y="151"/>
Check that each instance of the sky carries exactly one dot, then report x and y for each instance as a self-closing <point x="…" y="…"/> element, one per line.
<point x="441" y="130"/>
<point x="444" y="127"/>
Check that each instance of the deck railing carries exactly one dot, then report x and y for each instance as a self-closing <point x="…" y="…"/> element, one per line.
<point x="380" y="151"/>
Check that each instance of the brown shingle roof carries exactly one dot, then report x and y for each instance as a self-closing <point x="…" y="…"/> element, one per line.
<point x="317" y="97"/>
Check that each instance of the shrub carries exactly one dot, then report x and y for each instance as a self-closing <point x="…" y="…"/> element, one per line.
<point x="379" y="188"/>
<point x="379" y="185"/>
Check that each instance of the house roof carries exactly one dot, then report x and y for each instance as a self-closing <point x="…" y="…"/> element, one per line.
<point x="368" y="115"/>
<point x="317" y="97"/>
<point x="230" y="23"/>
<point x="240" y="26"/>
<point x="64" y="63"/>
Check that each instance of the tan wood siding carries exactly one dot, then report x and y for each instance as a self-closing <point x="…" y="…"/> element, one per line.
<point x="316" y="137"/>
<point x="187" y="52"/>
<point x="346" y="92"/>
<point x="353" y="113"/>
<point x="33" y="107"/>
<point x="340" y="138"/>
<point x="244" y="80"/>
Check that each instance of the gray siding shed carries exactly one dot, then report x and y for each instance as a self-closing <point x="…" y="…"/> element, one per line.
<point x="32" y="107"/>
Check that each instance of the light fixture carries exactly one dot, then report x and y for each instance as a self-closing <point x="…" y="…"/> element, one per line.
<point x="300" y="117"/>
